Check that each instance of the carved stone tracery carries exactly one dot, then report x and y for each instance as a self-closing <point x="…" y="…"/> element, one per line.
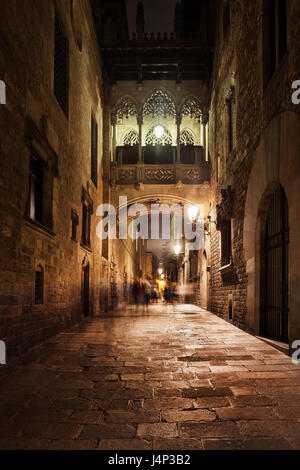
<point x="152" y="139"/>
<point x="126" y="108"/>
<point x="192" y="109"/>
<point x="159" y="104"/>
<point x="130" y="138"/>
<point x="159" y="175"/>
<point x="187" y="138"/>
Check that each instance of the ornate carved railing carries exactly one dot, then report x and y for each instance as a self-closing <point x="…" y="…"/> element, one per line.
<point x="160" y="174"/>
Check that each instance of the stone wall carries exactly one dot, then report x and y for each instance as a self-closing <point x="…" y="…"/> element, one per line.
<point x="27" y="67"/>
<point x="238" y="63"/>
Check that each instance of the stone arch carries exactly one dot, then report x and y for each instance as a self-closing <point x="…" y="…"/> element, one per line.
<point x="276" y="161"/>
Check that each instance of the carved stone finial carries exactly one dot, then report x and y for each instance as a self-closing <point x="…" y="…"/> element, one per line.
<point x="179" y="185"/>
<point x="140" y="187"/>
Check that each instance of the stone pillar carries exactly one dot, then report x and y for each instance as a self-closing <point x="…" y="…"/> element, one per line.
<point x="140" y="124"/>
<point x="114" y="140"/>
<point x="178" y="122"/>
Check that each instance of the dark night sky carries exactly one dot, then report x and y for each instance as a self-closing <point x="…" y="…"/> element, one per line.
<point x="159" y="15"/>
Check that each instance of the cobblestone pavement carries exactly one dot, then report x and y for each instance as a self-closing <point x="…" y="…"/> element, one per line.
<point x="163" y="380"/>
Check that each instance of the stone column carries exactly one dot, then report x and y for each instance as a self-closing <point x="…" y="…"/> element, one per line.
<point x="140" y="124"/>
<point x="114" y="142"/>
<point x="178" y="122"/>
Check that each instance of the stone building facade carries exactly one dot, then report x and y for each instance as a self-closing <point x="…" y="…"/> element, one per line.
<point x="65" y="84"/>
<point x="51" y="169"/>
<point x="254" y="149"/>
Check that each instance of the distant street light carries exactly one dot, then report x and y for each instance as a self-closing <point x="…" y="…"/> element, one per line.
<point x="192" y="213"/>
<point x="160" y="271"/>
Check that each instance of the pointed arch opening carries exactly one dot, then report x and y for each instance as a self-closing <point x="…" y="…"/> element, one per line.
<point x="274" y="305"/>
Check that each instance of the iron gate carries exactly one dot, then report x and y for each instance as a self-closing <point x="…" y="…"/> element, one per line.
<point x="275" y="285"/>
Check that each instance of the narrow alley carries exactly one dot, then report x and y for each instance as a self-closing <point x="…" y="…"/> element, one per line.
<point x="175" y="380"/>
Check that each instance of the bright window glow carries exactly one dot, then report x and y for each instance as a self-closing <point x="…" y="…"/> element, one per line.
<point x="193" y="212"/>
<point x="159" y="131"/>
<point x="177" y="250"/>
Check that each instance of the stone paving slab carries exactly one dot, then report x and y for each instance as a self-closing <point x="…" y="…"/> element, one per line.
<point x="165" y="380"/>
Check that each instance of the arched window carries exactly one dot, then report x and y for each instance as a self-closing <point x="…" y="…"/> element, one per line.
<point x="187" y="138"/>
<point x="152" y="139"/>
<point x="131" y="138"/>
<point x="159" y="104"/>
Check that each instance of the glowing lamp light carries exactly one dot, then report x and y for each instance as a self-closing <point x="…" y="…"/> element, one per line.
<point x="159" y="131"/>
<point x="160" y="271"/>
<point x="177" y="250"/>
<point x="193" y="212"/>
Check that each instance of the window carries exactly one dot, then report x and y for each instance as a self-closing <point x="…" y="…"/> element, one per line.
<point x="36" y="188"/>
<point x="61" y="62"/>
<point x="87" y="210"/>
<point x="226" y="242"/>
<point x="94" y="151"/>
<point x="224" y="217"/>
<point x="274" y="36"/>
<point x="39" y="286"/>
<point x="226" y="17"/>
<point x="75" y="223"/>
<point x="42" y="169"/>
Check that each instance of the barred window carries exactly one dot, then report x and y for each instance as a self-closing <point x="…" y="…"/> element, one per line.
<point x="94" y="152"/>
<point x="61" y="60"/>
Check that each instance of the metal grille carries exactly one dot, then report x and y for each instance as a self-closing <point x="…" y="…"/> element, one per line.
<point x="275" y="315"/>
<point x="94" y="152"/>
<point x="61" y="67"/>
